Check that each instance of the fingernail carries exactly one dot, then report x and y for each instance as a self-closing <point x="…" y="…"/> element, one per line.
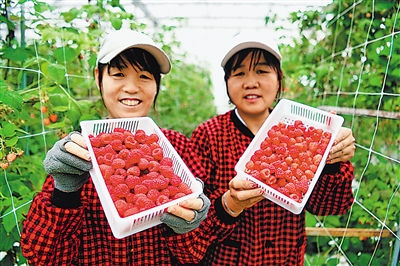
<point x="87" y="156"/>
<point x="171" y="209"/>
<point x="254" y="185"/>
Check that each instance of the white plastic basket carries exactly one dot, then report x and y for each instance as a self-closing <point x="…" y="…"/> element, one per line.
<point x="122" y="227"/>
<point x="289" y="111"/>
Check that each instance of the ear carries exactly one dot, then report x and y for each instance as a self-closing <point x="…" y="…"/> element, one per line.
<point x="96" y="76"/>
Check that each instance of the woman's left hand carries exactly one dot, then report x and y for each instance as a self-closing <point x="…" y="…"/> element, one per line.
<point x="343" y="148"/>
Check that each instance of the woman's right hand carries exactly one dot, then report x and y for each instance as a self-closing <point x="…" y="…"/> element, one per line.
<point x="242" y="194"/>
<point x="68" y="162"/>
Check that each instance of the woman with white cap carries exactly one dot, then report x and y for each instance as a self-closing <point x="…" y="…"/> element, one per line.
<point x="264" y="233"/>
<point x="66" y="224"/>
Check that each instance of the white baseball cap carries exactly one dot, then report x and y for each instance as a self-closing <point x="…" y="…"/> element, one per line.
<point x="120" y="40"/>
<point x="244" y="40"/>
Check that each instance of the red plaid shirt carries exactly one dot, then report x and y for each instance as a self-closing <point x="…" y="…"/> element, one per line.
<point x="82" y="236"/>
<point x="265" y="234"/>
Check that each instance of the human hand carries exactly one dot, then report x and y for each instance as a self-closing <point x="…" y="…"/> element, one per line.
<point x="343" y="148"/>
<point x="188" y="215"/>
<point x="242" y="194"/>
<point x="68" y="161"/>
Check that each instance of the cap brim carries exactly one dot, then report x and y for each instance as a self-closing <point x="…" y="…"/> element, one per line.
<point x="246" y="45"/>
<point x="159" y="55"/>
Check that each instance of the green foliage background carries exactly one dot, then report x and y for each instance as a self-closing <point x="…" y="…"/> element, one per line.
<point x="46" y="70"/>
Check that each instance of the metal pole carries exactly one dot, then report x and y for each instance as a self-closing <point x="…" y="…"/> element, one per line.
<point x="396" y="250"/>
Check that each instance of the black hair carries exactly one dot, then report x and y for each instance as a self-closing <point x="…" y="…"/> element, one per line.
<point x="136" y="57"/>
<point x="236" y="60"/>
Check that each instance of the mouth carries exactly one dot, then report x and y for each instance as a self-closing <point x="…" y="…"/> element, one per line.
<point x="129" y="102"/>
<point x="252" y="96"/>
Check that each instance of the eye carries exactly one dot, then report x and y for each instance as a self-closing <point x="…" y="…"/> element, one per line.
<point x="145" y="76"/>
<point x="237" y="73"/>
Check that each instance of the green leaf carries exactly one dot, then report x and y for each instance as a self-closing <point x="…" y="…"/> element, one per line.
<point x="10" y="98"/>
<point x="18" y="54"/>
<point x="8" y="129"/>
<point x="54" y="71"/>
<point x="60" y="108"/>
<point x="65" y="54"/>
<point x="11" y="142"/>
<point x="116" y="23"/>
<point x="8" y="220"/>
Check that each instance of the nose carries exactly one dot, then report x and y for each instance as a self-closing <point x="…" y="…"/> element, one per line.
<point x="131" y="85"/>
<point x="251" y="82"/>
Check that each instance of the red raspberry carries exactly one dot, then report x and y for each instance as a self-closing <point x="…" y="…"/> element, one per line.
<point x="184" y="188"/>
<point x="268" y="151"/>
<point x="131" y="143"/>
<point x="302" y="186"/>
<point x="154" y="166"/>
<point x="121" y="206"/>
<point x="105" y="139"/>
<point x="115" y="180"/>
<point x="162" y="199"/>
<point x="264" y="174"/>
<point x="131" y="198"/>
<point x="166" y="161"/>
<point x="283" y="190"/>
<point x="152" y="138"/>
<point x="281" y="182"/>
<point x="313" y="168"/>
<point x="166" y="171"/>
<point x="120" y="130"/>
<point x="291" y="187"/>
<point x="255" y="174"/>
<point x="154" y="146"/>
<point x="117" y="135"/>
<point x="144" y="203"/>
<point x="141" y="189"/>
<point x="178" y="195"/>
<point x="143" y="164"/>
<point x="106" y="171"/>
<point x="264" y="144"/>
<point x="118" y="163"/>
<point x="107" y="159"/>
<point x="140" y="136"/>
<point x="157" y="183"/>
<point x="279" y="173"/>
<point x="271" y="133"/>
<point x="120" y="171"/>
<point x="95" y="142"/>
<point x="165" y="192"/>
<point x="134" y="170"/>
<point x="145" y="149"/>
<point x="317" y="159"/>
<point x="309" y="174"/>
<point x="157" y="154"/>
<point x="295" y="197"/>
<point x="131" y="211"/>
<point x="121" y="190"/>
<point x="132" y="181"/>
<point x="270" y="180"/>
<point x="175" y="180"/>
<point x="172" y="190"/>
<point x="153" y="194"/>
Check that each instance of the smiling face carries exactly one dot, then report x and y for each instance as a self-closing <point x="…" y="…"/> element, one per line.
<point x="253" y="85"/>
<point x="128" y="89"/>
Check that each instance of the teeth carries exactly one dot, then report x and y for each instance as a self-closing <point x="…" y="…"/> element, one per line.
<point x="130" y="102"/>
<point x="251" y="96"/>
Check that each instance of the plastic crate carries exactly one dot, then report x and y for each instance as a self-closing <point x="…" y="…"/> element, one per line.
<point x="289" y="111"/>
<point x="122" y="227"/>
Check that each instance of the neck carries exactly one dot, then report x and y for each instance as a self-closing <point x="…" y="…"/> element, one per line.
<point x="253" y="122"/>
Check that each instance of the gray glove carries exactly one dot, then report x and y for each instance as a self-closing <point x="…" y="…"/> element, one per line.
<point x="181" y="226"/>
<point x="69" y="171"/>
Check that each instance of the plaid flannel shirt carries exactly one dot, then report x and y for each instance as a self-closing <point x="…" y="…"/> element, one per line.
<point x="265" y="234"/>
